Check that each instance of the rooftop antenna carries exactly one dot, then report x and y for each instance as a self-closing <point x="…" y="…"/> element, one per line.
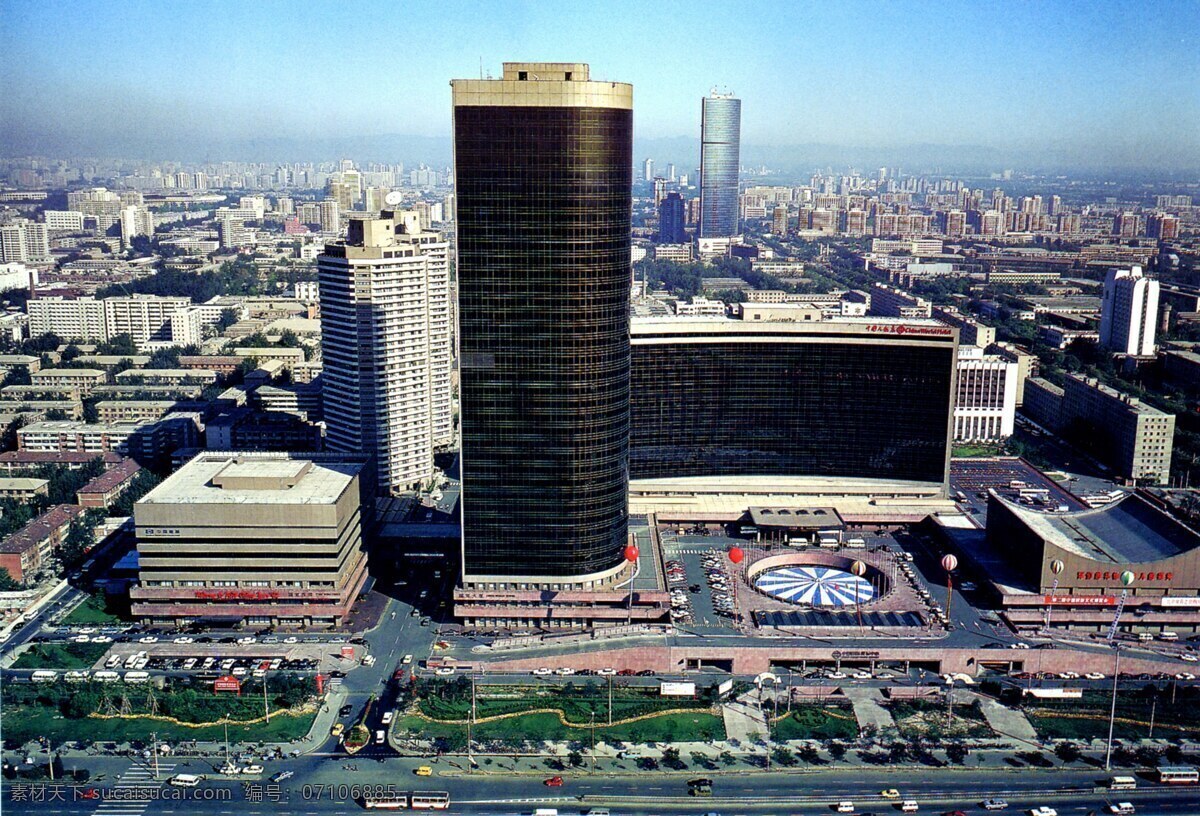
<point x="481" y="66"/>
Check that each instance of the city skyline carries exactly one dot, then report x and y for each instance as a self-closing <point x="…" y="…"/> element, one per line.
<point x="1053" y="86"/>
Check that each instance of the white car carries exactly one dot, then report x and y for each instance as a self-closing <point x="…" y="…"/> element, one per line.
<point x="148" y="639"/>
<point x="252" y="769"/>
<point x="1043" y="811"/>
<point x="837" y="675"/>
<point x="606" y="672"/>
<point x="564" y="671"/>
<point x="184" y="639"/>
<point x="1185" y="676"/>
<point x="1069" y="675"/>
<point x="101" y="639"/>
<point x="1094" y="676"/>
<point x="862" y="675"/>
<point x="247" y="639"/>
<point x="86" y="630"/>
<point x="445" y="671"/>
<point x="292" y="639"/>
<point x="1188" y="658"/>
<point x="406" y="659"/>
<point x="80" y="639"/>
<point x="541" y="672"/>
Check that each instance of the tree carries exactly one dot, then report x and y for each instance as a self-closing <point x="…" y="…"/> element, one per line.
<point x="1067" y="751"/>
<point x="228" y="318"/>
<point x="809" y="754"/>
<point x="837" y="750"/>
<point x="898" y="752"/>
<point x="575" y="758"/>
<point x="956" y="752"/>
<point x="121" y="344"/>
<point x="671" y="758"/>
<point x="782" y="755"/>
<point x="7" y="584"/>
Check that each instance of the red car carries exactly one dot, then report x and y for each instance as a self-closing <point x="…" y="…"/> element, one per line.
<point x="554" y="782"/>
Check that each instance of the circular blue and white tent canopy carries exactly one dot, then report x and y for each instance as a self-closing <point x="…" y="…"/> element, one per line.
<point x="817" y="586"/>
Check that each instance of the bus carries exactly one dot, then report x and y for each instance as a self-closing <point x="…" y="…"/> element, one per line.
<point x="430" y="800"/>
<point x="44" y="676"/>
<point x="137" y="677"/>
<point x="1178" y="775"/>
<point x="185" y="780"/>
<point x="397" y="801"/>
<point x="1122" y="783"/>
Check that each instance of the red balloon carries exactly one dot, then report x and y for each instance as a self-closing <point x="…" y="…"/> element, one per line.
<point x="631" y="553"/>
<point x="736" y="555"/>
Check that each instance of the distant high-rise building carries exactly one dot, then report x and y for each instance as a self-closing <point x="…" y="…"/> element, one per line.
<point x="720" y="141"/>
<point x="779" y="220"/>
<point x="660" y="190"/>
<point x="135" y="221"/>
<point x="672" y="219"/>
<point x="385" y="341"/>
<point x="671" y="176"/>
<point x="23" y="241"/>
<point x="648" y="170"/>
<point x="1163" y="226"/>
<point x="1127" y="225"/>
<point x="1129" y="312"/>
<point x="331" y="219"/>
<point x="543" y="277"/>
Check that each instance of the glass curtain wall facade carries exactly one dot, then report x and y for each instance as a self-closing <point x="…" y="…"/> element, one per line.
<point x="720" y="144"/>
<point x="543" y="163"/>
<point x="750" y="406"/>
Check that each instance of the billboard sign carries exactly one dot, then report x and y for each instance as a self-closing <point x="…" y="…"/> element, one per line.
<point x="347" y="653"/>
<point x="1180" y="600"/>
<point x="677" y="690"/>
<point x="725" y="688"/>
<point x="227" y="683"/>
<point x="1079" y="600"/>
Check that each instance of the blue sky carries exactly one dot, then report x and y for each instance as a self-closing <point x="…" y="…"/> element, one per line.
<point x="1111" y="78"/>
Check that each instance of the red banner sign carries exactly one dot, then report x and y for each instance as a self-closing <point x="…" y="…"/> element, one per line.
<point x="237" y="594"/>
<point x="1079" y="600"/>
<point x="227" y="683"/>
<point x="347" y="653"/>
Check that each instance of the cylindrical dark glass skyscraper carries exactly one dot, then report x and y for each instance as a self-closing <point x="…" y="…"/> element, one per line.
<point x="720" y="143"/>
<point x="543" y="168"/>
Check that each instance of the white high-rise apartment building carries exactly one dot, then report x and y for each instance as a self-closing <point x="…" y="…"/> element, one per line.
<point x="985" y="406"/>
<point x="69" y="318"/>
<point x="1129" y="313"/>
<point x="135" y="221"/>
<point x="63" y="220"/>
<point x="24" y="241"/>
<point x="145" y="318"/>
<point x="386" y="345"/>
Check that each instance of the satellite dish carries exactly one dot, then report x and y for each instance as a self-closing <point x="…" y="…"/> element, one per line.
<point x="393" y="198"/>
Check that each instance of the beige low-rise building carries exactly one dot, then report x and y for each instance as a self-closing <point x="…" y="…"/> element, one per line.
<point x="258" y="539"/>
<point x="85" y="379"/>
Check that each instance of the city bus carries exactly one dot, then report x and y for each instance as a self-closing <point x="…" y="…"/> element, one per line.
<point x="1178" y="775"/>
<point x="44" y="676"/>
<point x="397" y="801"/>
<point x="430" y="800"/>
<point x="1122" y="783"/>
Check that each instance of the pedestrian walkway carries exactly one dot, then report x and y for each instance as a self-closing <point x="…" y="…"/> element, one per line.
<point x="869" y="710"/>
<point x="743" y="722"/>
<point x="128" y="796"/>
<point x="1005" y="721"/>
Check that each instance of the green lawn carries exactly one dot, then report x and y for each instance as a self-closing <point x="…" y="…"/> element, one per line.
<point x="61" y="656"/>
<point x="697" y="726"/>
<point x="576" y="702"/>
<point x="1088" y="719"/>
<point x="24" y="723"/>
<point x="975" y="451"/>
<point x="93" y="611"/>
<point x="816" y="722"/>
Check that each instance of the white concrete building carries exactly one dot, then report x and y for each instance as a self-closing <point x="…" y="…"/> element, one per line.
<point x="17" y="276"/>
<point x="70" y="319"/>
<point x="24" y="241"/>
<point x="1129" y="312"/>
<point x="63" y="220"/>
<point x="135" y="221"/>
<point x="146" y="318"/>
<point x="700" y="306"/>
<point x="187" y="326"/>
<point x="306" y="290"/>
<point x="386" y="345"/>
<point x="985" y="404"/>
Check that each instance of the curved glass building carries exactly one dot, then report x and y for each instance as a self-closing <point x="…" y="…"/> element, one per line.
<point x="857" y="398"/>
<point x="543" y="164"/>
<point x="720" y="147"/>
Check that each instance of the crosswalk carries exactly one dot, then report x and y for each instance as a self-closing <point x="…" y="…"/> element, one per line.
<point x="131" y="794"/>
